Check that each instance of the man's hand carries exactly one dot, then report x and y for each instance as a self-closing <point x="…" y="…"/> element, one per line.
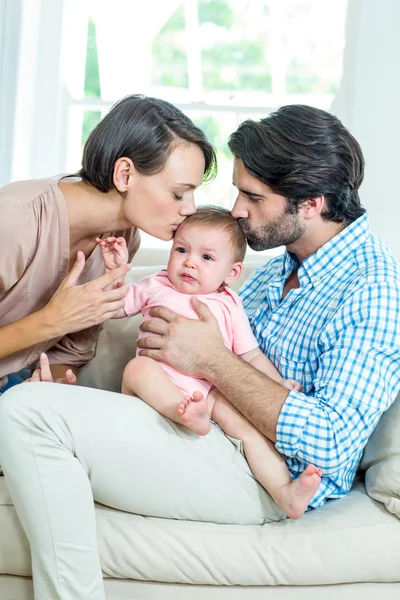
<point x="115" y="252"/>
<point x="189" y="345"/>
<point x="44" y="373"/>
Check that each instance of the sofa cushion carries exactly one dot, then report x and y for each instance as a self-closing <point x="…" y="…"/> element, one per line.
<point x="348" y="540"/>
<point x="381" y="460"/>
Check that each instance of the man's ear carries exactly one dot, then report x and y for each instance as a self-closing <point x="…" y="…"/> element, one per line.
<point x="123" y="169"/>
<point x="312" y="207"/>
<point x="234" y="273"/>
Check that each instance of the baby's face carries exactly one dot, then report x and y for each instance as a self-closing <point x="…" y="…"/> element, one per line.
<point x="201" y="259"/>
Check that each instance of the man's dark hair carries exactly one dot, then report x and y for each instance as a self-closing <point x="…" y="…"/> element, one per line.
<point x="303" y="152"/>
<point x="145" y="130"/>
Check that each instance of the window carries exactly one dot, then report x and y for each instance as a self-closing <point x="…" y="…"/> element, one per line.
<point x="220" y="61"/>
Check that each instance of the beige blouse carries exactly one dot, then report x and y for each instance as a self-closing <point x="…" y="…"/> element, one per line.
<point x="34" y="235"/>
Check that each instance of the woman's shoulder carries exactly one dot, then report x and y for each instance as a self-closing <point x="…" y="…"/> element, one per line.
<point x="19" y="194"/>
<point x="30" y="216"/>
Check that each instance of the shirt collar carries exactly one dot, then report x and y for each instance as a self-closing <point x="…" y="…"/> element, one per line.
<point x="327" y="258"/>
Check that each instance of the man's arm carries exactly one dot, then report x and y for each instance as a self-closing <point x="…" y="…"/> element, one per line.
<point x="358" y="376"/>
<point x="196" y="347"/>
<point x="258" y="397"/>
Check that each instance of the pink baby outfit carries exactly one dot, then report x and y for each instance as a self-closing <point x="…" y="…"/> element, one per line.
<point x="226" y="306"/>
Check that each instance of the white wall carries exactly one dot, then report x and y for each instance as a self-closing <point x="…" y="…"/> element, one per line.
<point x="10" y="16"/>
<point x="368" y="103"/>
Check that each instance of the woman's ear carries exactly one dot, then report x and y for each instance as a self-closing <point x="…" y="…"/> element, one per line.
<point x="234" y="273"/>
<point x="123" y="170"/>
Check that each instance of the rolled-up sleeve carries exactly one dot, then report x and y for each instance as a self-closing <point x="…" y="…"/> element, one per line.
<point x="358" y="378"/>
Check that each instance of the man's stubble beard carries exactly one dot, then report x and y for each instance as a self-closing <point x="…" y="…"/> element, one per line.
<point x="282" y="231"/>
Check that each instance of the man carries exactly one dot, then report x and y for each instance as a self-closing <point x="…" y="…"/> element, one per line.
<point x="326" y="312"/>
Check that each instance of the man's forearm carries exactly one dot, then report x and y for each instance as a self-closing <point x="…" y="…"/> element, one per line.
<point x="256" y="396"/>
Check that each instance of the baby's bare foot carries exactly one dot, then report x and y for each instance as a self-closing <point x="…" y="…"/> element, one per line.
<point x="194" y="413"/>
<point x="296" y="496"/>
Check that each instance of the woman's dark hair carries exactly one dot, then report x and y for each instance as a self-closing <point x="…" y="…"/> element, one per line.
<point x="143" y="129"/>
<point x="303" y="152"/>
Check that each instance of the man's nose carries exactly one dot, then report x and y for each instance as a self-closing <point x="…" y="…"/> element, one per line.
<point x="239" y="211"/>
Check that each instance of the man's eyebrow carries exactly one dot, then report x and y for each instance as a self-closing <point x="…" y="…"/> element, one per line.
<point x="247" y="192"/>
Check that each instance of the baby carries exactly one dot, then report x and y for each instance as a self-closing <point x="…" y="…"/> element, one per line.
<point x="206" y="256"/>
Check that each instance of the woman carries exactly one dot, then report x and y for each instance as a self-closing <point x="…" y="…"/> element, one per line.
<point x="140" y="167"/>
<point x="62" y="446"/>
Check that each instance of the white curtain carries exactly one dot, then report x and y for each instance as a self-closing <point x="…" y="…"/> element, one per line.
<point x="37" y="41"/>
<point x="368" y="103"/>
<point x="124" y="42"/>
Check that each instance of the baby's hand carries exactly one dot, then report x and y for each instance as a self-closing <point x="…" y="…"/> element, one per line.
<point x="114" y="251"/>
<point x="291" y="384"/>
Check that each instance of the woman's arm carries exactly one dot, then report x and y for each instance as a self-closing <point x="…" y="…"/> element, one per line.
<point x="72" y="308"/>
<point x="24" y="333"/>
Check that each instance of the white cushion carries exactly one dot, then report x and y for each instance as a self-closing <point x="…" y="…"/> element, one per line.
<point x="381" y="460"/>
<point x="354" y="539"/>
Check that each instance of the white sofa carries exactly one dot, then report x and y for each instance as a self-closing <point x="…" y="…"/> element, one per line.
<point x="347" y="549"/>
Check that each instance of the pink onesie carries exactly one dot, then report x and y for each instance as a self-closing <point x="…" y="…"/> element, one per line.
<point x="226" y="306"/>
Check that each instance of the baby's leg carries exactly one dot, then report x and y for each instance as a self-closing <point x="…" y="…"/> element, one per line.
<point x="145" y="378"/>
<point x="266" y="463"/>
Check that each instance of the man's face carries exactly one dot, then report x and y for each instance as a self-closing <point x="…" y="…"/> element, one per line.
<point x="267" y="220"/>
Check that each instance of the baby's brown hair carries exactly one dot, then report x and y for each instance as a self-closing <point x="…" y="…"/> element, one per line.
<point x="216" y="216"/>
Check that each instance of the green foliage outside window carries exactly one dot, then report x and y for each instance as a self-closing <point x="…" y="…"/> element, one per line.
<point x="169" y="53"/>
<point x="92" y="78"/>
<point x="92" y="81"/>
<point x="218" y="12"/>
<point x="212" y="129"/>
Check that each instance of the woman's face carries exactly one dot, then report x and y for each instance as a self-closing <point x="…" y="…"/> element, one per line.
<point x="157" y="204"/>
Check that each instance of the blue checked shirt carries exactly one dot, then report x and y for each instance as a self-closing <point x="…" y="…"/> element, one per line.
<point x="338" y="334"/>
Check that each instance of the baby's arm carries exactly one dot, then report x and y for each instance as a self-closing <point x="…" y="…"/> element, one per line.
<point x="259" y="361"/>
<point x="115" y="254"/>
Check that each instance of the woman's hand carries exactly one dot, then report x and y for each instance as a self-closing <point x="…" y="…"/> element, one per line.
<point x="189" y="345"/>
<point x="75" y="307"/>
<point x="44" y="373"/>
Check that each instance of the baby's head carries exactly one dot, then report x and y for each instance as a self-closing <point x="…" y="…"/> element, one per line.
<point x="207" y="252"/>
